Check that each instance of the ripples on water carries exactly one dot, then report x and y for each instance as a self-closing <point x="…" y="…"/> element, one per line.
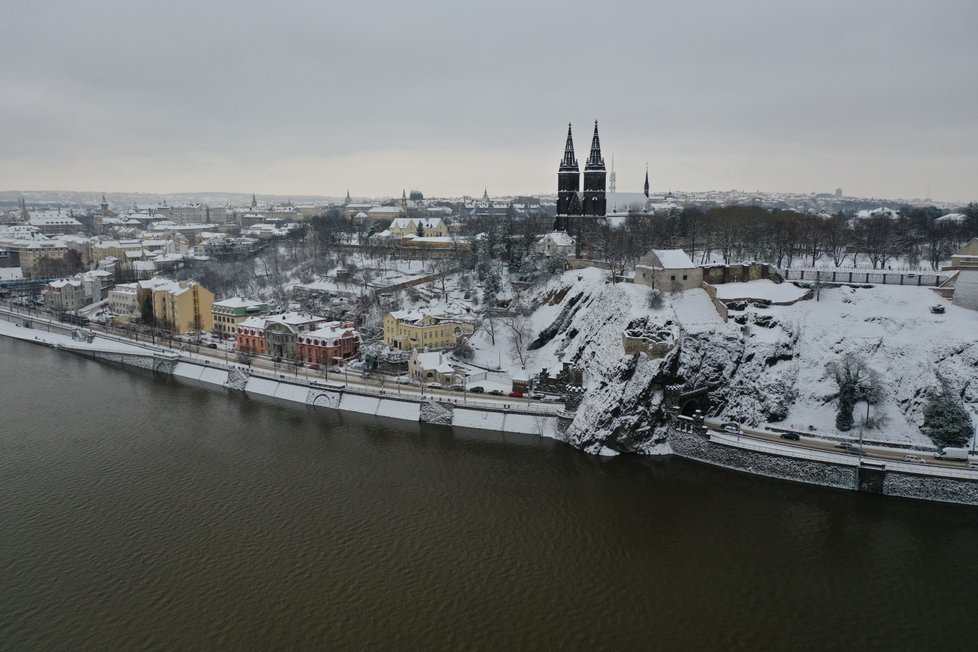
<point x="140" y="513"/>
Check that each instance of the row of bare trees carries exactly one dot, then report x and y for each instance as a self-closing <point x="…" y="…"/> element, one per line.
<point x="785" y="238"/>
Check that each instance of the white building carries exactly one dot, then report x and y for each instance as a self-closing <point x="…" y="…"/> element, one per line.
<point x="668" y="270"/>
<point x="431" y="367"/>
<point x="122" y="299"/>
<point x="558" y="243"/>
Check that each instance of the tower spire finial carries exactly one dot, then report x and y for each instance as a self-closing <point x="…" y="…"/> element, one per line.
<point x="569" y="160"/>
<point x="646" y="180"/>
<point x="595" y="157"/>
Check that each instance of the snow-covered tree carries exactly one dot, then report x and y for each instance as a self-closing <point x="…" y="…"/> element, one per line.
<point x="856" y="382"/>
<point x="946" y="421"/>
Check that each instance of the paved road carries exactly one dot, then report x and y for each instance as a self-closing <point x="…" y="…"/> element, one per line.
<point x="829" y="446"/>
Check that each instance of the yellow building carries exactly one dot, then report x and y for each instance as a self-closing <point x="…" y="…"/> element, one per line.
<point x="432" y="227"/>
<point x="182" y="307"/>
<point x="117" y="249"/>
<point x="411" y="329"/>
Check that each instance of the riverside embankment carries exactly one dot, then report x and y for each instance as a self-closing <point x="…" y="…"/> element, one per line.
<point x="347" y="394"/>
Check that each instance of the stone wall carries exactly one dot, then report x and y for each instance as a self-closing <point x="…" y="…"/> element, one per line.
<point x="721" y="308"/>
<point x="687" y="441"/>
<point x="925" y="487"/>
<point x="653" y="349"/>
<point x="739" y="273"/>
<point x="694" y="446"/>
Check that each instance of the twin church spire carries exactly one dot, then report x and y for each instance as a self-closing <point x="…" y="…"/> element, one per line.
<point x="569" y="201"/>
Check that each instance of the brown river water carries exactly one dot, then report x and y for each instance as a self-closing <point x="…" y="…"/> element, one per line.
<point x="140" y="513"/>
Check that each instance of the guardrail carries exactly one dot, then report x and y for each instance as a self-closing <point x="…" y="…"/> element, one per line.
<point x="865" y="276"/>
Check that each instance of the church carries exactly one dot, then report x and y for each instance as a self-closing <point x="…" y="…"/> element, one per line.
<point x="594" y="201"/>
<point x="570" y="200"/>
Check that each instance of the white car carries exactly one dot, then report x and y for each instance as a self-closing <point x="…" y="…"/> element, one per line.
<point x="914" y="459"/>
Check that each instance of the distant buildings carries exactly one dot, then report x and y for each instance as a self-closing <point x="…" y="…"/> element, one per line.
<point x="27" y="248"/>
<point x="431" y="227"/>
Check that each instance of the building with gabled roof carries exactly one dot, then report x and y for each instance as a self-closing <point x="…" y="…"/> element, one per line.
<point x="668" y="270"/>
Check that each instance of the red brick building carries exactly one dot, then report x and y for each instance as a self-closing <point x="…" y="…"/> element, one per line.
<point x="329" y="342"/>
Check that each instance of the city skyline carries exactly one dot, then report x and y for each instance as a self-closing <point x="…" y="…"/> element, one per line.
<point x="290" y="101"/>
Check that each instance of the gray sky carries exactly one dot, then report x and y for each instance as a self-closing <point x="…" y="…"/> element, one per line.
<point x="879" y="97"/>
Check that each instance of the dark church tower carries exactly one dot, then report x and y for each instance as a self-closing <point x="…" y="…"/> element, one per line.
<point x="594" y="179"/>
<point x="568" y="178"/>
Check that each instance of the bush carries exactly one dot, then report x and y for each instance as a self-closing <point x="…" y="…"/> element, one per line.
<point x="463" y="351"/>
<point x="656" y="300"/>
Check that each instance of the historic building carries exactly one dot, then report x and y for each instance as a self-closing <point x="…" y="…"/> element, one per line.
<point x="570" y="201"/>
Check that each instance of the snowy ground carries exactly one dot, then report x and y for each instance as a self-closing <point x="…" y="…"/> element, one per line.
<point x="773" y="367"/>
<point x="55" y="338"/>
<point x="760" y="289"/>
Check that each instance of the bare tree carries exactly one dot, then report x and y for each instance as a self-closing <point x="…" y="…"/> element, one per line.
<point x="521" y="336"/>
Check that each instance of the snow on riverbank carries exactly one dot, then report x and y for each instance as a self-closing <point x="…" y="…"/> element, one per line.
<point x="56" y="339"/>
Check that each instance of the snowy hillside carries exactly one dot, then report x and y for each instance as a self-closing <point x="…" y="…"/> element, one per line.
<point x="763" y="365"/>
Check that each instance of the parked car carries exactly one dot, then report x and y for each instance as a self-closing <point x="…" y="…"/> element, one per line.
<point x="914" y="459"/>
<point x="477" y="389"/>
<point x="457" y="388"/>
<point x="843" y="445"/>
<point x="732" y="427"/>
<point x="277" y="358"/>
<point x="211" y="345"/>
<point x="313" y="366"/>
<point x="496" y="392"/>
<point x="516" y="394"/>
<point x="537" y="396"/>
<point x="793" y="436"/>
<point x="434" y="385"/>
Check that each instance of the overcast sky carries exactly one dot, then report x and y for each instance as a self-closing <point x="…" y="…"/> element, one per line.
<point x="449" y="96"/>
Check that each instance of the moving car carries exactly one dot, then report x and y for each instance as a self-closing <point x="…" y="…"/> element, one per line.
<point x="914" y="459"/>
<point x="516" y="394"/>
<point x="477" y="389"/>
<point x="496" y="392"/>
<point x="731" y="426"/>
<point x="793" y="436"/>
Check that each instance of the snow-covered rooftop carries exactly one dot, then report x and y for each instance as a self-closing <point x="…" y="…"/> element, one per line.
<point x="673" y="259"/>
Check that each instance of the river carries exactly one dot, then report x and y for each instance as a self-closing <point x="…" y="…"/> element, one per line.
<point x="137" y="512"/>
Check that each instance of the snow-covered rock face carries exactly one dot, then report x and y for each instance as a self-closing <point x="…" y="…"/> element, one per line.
<point x="764" y="365"/>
